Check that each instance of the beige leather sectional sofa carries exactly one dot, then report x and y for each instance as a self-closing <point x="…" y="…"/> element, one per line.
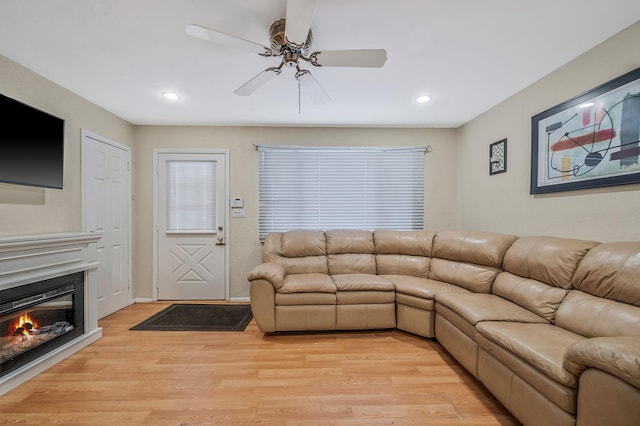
<point x="550" y="326"/>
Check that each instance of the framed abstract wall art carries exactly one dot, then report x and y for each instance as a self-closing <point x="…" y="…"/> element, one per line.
<point x="589" y="141"/>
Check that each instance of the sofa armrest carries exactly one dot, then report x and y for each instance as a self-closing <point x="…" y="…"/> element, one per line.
<point x="263" y="306"/>
<point x="272" y="272"/>
<point x="618" y="356"/>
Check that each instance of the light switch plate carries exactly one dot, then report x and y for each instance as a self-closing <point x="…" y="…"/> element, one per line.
<point x="237" y="202"/>
<point x="237" y="213"/>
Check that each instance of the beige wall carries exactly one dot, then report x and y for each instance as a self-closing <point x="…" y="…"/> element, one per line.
<point x="459" y="191"/>
<point x="27" y="210"/>
<point x="245" y="249"/>
<point x="502" y="202"/>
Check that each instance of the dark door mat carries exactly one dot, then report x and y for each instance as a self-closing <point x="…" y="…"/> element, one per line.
<point x="193" y="317"/>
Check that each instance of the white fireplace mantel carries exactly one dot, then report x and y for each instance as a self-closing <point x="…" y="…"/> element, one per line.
<point x="29" y="259"/>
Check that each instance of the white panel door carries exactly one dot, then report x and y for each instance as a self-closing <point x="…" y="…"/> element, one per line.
<point x="191" y="221"/>
<point x="106" y="197"/>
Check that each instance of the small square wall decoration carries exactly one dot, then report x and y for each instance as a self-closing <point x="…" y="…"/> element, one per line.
<point x="498" y="157"/>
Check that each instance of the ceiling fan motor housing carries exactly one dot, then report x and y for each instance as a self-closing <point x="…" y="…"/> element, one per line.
<point x="280" y="44"/>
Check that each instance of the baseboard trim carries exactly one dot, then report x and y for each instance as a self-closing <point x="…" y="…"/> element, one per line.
<point x="232" y="299"/>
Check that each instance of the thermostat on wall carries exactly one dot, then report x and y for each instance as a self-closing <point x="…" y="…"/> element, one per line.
<point x="237" y="202"/>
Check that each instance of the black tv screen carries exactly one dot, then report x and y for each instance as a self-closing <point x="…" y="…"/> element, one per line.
<point x="31" y="145"/>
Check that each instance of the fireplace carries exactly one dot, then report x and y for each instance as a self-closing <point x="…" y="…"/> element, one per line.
<point x="37" y="318"/>
<point x="48" y="302"/>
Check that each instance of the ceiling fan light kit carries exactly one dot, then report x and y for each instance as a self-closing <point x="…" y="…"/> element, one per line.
<point x="290" y="40"/>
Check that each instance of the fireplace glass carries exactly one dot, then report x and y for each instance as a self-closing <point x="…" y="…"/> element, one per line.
<point x="38" y="318"/>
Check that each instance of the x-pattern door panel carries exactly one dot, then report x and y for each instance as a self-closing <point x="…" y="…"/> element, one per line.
<point x="189" y="263"/>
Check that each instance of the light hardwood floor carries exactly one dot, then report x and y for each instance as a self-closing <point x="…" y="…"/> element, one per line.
<point x="229" y="378"/>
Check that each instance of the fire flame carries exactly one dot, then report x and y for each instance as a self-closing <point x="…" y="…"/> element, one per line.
<point x="23" y="321"/>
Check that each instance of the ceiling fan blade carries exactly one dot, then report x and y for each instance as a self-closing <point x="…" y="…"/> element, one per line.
<point x="309" y="86"/>
<point x="370" y="58"/>
<point x="257" y="82"/>
<point x="226" y="39"/>
<point x="298" y="20"/>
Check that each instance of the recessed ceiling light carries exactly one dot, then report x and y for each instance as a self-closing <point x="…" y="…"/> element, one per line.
<point x="170" y="96"/>
<point x="423" y="99"/>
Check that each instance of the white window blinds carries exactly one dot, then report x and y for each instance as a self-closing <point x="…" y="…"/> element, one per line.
<point x="340" y="188"/>
<point x="191" y="196"/>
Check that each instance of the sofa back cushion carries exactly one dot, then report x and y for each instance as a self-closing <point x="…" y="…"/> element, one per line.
<point x="538" y="272"/>
<point x="403" y="252"/>
<point x="537" y="297"/>
<point x="350" y="252"/>
<point x="550" y="260"/>
<point x="612" y="271"/>
<point x="299" y="252"/>
<point x="606" y="301"/>
<point x="479" y="248"/>
<point x="593" y="316"/>
<point x="469" y="259"/>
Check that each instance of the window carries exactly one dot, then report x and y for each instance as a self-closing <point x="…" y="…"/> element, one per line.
<point x="340" y="188"/>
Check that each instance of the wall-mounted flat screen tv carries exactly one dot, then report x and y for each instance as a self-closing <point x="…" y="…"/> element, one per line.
<point x="31" y="145"/>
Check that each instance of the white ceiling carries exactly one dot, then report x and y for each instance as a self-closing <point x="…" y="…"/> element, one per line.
<point x="468" y="55"/>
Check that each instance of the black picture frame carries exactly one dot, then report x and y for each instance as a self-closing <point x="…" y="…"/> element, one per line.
<point x="589" y="141"/>
<point x="498" y="157"/>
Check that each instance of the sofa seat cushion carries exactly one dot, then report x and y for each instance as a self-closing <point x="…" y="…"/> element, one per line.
<point x="365" y="297"/>
<point x="359" y="282"/>
<point x="307" y="283"/>
<point x="476" y="307"/>
<point x="303" y="299"/>
<point x="541" y="345"/>
<point x="415" y="302"/>
<point x="501" y="370"/>
<point x="422" y="287"/>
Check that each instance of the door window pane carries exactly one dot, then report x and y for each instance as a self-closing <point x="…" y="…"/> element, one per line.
<point x="191" y="196"/>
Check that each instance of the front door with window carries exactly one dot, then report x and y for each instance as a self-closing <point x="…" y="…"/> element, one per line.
<point x="191" y="220"/>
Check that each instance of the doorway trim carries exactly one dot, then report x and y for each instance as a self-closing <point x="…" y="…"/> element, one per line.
<point x="156" y="160"/>
<point x="86" y="134"/>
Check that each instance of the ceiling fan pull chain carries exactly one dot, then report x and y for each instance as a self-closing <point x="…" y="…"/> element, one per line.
<point x="299" y="107"/>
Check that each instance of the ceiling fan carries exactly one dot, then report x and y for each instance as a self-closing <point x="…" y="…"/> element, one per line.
<point x="290" y="40"/>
